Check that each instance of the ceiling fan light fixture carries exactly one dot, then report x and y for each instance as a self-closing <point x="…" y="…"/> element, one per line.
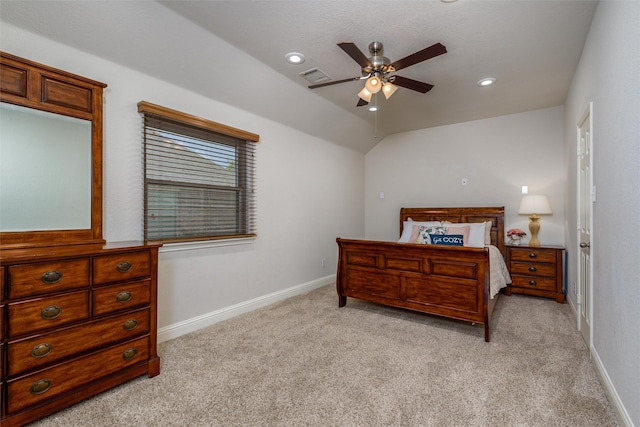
<point x="294" y="58"/>
<point x="486" y="82"/>
<point x="365" y="95"/>
<point x="388" y="89"/>
<point x="373" y="84"/>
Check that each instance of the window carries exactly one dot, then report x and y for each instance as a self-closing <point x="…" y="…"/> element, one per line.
<point x="198" y="177"/>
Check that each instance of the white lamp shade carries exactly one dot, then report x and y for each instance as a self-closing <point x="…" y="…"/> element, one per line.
<point x="388" y="89"/>
<point x="373" y="84"/>
<point x="365" y="95"/>
<point x="531" y="204"/>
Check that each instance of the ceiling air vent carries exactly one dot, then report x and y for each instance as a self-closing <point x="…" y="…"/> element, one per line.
<point x="315" y="75"/>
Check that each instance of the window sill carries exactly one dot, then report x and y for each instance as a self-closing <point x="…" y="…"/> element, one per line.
<point x="203" y="244"/>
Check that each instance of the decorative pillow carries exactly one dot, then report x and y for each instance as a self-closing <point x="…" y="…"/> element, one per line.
<point x="407" y="229"/>
<point x="447" y="239"/>
<point x="463" y="231"/>
<point x="424" y="233"/>
<point x="477" y="231"/>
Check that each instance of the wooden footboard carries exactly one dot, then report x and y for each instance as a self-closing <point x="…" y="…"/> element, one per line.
<point x="449" y="281"/>
<point x="446" y="281"/>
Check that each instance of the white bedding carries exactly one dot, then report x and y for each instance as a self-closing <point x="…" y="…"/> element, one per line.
<point x="499" y="275"/>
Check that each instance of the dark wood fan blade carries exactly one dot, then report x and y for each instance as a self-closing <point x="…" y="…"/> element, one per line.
<point x="361" y="102"/>
<point x="422" y="55"/>
<point x="355" y="53"/>
<point x="411" y="84"/>
<point x="333" y="82"/>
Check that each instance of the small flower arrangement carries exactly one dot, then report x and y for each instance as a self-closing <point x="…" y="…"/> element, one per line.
<point x="515" y="235"/>
<point x="516" y="232"/>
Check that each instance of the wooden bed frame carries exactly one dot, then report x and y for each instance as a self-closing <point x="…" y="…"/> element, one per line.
<point x="448" y="281"/>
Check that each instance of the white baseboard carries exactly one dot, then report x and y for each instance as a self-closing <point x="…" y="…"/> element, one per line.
<point x="614" y="398"/>
<point x="186" y="326"/>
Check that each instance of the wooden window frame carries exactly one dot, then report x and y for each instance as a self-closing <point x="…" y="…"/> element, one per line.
<point x="207" y="131"/>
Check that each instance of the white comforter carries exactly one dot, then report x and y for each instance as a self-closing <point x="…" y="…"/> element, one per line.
<point x="498" y="275"/>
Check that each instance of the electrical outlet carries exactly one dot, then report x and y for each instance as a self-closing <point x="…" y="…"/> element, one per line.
<point x="324" y="262"/>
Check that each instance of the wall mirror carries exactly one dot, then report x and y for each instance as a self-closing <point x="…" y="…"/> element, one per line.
<point x="50" y="156"/>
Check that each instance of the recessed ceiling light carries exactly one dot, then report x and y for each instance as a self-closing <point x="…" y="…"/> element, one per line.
<point x="294" y="58"/>
<point x="486" y="82"/>
<point x="373" y="108"/>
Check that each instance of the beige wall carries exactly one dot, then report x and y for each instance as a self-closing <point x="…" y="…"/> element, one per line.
<point x="309" y="191"/>
<point x="497" y="156"/>
<point x="608" y="76"/>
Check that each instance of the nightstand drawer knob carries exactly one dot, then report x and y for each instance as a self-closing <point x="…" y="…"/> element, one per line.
<point x="533" y="269"/>
<point x="533" y="282"/>
<point x="532" y="255"/>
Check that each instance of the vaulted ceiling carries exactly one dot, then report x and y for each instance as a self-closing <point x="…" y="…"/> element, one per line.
<point x="234" y="51"/>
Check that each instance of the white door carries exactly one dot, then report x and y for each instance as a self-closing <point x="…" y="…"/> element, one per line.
<point x="585" y="203"/>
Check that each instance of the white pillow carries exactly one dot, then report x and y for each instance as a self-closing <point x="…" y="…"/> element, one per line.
<point x="487" y="232"/>
<point x="407" y="229"/>
<point x="477" y="232"/>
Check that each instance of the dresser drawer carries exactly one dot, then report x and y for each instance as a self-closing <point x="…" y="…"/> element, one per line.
<point x="34" y="279"/>
<point x="534" y="283"/>
<point x="125" y="266"/>
<point x="48" y="312"/>
<point x="108" y="299"/>
<point x="51" y="382"/>
<point x="533" y="269"/>
<point x="533" y="254"/>
<point x="33" y="353"/>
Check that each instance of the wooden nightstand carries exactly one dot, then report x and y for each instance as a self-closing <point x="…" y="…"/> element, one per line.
<point x="536" y="271"/>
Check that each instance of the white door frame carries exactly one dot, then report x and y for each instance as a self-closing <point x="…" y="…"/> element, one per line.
<point x="588" y="115"/>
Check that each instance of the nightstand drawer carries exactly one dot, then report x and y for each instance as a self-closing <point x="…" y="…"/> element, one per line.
<point x="533" y="269"/>
<point x="534" y="283"/>
<point x="533" y="255"/>
<point x="536" y="271"/>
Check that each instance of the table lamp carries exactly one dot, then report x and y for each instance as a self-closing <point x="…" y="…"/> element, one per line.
<point x="533" y="206"/>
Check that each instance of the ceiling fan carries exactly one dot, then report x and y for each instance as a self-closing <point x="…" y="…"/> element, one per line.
<point x="377" y="69"/>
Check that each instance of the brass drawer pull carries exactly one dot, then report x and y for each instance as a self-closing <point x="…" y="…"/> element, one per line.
<point x="41" y="350"/>
<point x="532" y="255"/>
<point x="124" y="296"/>
<point x="129" y="354"/>
<point x="40" y="386"/>
<point x="533" y="269"/>
<point x="124" y="266"/>
<point x="51" y="312"/>
<point x="51" y="277"/>
<point x="532" y="282"/>
<point x="130" y="325"/>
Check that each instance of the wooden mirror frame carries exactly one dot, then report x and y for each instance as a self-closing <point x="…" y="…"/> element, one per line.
<point x="33" y="85"/>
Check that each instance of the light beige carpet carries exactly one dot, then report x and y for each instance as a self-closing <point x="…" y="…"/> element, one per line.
<point x="306" y="362"/>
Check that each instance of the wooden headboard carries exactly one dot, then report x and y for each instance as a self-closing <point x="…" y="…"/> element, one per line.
<point x="493" y="214"/>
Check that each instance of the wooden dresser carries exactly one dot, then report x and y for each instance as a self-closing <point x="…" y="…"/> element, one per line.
<point x="75" y="320"/>
<point x="536" y="271"/>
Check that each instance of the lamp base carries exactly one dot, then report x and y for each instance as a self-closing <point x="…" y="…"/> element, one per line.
<point x="534" y="227"/>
